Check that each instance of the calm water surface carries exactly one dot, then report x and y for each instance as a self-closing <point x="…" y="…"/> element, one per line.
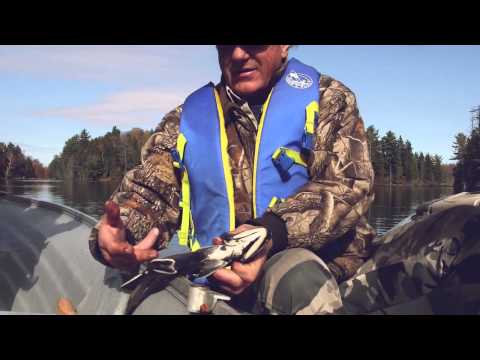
<point x="392" y="204"/>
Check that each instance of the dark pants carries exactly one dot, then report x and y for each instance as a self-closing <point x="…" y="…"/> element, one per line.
<point x="429" y="267"/>
<point x="294" y="281"/>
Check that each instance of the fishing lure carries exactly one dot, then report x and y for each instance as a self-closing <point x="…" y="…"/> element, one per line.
<point x="158" y="273"/>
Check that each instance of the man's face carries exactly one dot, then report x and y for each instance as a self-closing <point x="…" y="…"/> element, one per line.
<point x="248" y="69"/>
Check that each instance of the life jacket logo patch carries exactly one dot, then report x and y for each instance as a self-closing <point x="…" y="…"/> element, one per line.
<point x="298" y="80"/>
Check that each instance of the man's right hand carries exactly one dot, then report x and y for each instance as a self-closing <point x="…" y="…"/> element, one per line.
<point x="115" y="249"/>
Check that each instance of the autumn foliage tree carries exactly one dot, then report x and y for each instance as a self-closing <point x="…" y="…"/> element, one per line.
<point x="15" y="164"/>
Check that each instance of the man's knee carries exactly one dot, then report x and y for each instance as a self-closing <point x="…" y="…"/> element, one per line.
<point x="297" y="281"/>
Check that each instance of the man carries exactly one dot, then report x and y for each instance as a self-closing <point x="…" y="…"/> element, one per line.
<point x="285" y="130"/>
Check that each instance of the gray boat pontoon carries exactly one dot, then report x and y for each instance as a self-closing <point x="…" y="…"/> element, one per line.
<point x="44" y="256"/>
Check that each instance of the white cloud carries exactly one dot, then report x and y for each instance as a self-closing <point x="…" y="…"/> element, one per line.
<point x="118" y="63"/>
<point x="129" y="108"/>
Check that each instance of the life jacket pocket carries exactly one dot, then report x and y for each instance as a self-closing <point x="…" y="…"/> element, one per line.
<point x="284" y="158"/>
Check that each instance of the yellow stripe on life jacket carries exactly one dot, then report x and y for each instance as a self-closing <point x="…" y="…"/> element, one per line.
<point x="273" y="202"/>
<point x="186" y="234"/>
<point x="292" y="154"/>
<point x="257" y="148"/>
<point x="226" y="162"/>
<point x="310" y="110"/>
<point x="195" y="246"/>
<point x="185" y="225"/>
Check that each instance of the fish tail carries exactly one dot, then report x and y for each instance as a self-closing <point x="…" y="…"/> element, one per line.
<point x="144" y="289"/>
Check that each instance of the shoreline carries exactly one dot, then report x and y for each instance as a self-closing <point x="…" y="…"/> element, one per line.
<point x="29" y="180"/>
<point x="106" y="180"/>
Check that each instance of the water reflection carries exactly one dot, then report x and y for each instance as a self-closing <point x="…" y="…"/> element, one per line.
<point x="86" y="197"/>
<point x="391" y="205"/>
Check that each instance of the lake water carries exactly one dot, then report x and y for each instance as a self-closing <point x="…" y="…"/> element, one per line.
<point x="392" y="204"/>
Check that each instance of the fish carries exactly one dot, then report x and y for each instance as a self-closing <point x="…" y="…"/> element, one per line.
<point x="159" y="272"/>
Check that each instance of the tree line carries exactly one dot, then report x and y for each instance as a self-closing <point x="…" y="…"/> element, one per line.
<point x="111" y="155"/>
<point x="395" y="162"/>
<point x="15" y="164"/>
<point x="104" y="157"/>
<point x="466" y="173"/>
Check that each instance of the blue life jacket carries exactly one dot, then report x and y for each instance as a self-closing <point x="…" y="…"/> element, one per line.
<point x="286" y="128"/>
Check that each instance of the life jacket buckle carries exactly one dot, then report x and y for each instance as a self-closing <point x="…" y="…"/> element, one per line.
<point x="308" y="135"/>
<point x="307" y="141"/>
<point x="283" y="163"/>
<point x="177" y="161"/>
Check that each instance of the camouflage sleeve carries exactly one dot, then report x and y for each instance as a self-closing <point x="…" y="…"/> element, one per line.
<point x="340" y="190"/>
<point x="149" y="194"/>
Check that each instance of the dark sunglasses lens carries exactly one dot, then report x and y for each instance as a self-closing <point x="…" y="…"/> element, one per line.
<point x="249" y="48"/>
<point x="225" y="48"/>
<point x="254" y="48"/>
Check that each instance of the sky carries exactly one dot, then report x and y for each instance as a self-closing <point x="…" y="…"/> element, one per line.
<point x="50" y="93"/>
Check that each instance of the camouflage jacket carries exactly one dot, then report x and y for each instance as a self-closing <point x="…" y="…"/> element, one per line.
<point x="327" y="215"/>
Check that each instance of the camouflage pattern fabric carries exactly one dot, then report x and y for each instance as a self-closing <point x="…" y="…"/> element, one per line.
<point x="430" y="265"/>
<point x="328" y="213"/>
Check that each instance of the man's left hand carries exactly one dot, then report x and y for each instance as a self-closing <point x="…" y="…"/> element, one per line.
<point x="241" y="275"/>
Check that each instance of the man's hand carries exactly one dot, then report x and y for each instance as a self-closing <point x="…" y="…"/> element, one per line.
<point x="241" y="276"/>
<point x="115" y="249"/>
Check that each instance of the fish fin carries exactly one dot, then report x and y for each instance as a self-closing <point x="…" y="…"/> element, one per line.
<point x="208" y="267"/>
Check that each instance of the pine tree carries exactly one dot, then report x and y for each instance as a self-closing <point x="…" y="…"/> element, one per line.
<point x="376" y="155"/>
<point x="437" y="169"/>
<point x="414" y="167"/>
<point x="459" y="146"/>
<point x="467" y="154"/>
<point x="408" y="163"/>
<point x="389" y="150"/>
<point x="108" y="156"/>
<point x="421" y="167"/>
<point x="428" y="174"/>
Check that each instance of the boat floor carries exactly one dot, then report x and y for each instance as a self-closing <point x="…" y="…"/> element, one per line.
<point x="44" y="256"/>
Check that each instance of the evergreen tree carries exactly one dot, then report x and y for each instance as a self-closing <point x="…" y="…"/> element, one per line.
<point x="111" y="155"/>
<point x="390" y="153"/>
<point x="437" y="169"/>
<point x="421" y="167"/>
<point x="409" y="163"/>
<point x="459" y="152"/>
<point x="459" y="146"/>
<point x="376" y="154"/>
<point x="428" y="174"/>
<point x="108" y="156"/>
<point x="466" y="172"/>
<point x="414" y="168"/>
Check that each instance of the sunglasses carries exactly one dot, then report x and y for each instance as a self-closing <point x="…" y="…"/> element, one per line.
<point x="247" y="48"/>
